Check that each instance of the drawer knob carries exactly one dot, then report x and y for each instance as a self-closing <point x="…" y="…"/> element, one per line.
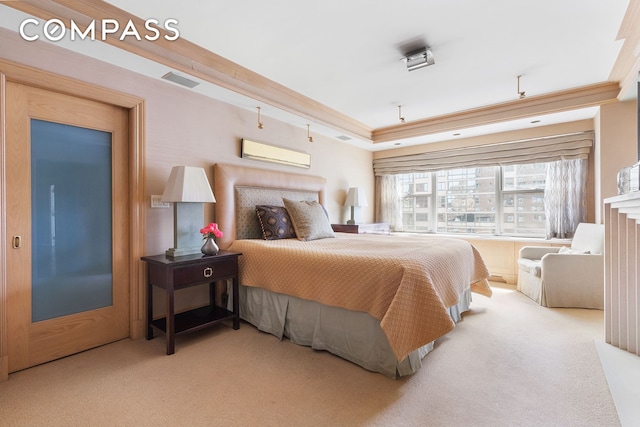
<point x="208" y="272"/>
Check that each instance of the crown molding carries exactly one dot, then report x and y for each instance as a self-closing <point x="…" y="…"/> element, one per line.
<point x="627" y="65"/>
<point x="571" y="99"/>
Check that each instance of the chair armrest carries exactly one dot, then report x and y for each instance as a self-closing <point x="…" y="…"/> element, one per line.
<point x="573" y="268"/>
<point x="573" y="280"/>
<point x="537" y="252"/>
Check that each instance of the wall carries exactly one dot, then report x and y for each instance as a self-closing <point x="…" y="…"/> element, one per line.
<point x="183" y="127"/>
<point x="616" y="147"/>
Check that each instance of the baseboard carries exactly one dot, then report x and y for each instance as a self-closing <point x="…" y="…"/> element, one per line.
<point x="622" y="370"/>
<point x="4" y="368"/>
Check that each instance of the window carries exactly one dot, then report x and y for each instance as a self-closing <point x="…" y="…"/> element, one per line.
<point x="486" y="200"/>
<point x="467" y="201"/>
<point x="523" y="199"/>
<point x="417" y="196"/>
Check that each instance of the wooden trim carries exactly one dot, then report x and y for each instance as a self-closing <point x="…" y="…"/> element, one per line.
<point x="10" y="71"/>
<point x="627" y="65"/>
<point x="29" y="76"/>
<point x="587" y="96"/>
<point x="137" y="272"/>
<point x="4" y="347"/>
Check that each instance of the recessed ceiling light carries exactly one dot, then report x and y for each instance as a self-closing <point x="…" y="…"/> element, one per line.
<point x="456" y="134"/>
<point x="343" y="137"/>
<point x="397" y="143"/>
<point x="535" y="121"/>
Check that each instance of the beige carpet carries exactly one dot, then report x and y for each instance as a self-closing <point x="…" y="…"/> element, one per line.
<point x="508" y="363"/>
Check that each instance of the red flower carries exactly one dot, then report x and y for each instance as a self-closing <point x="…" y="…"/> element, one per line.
<point x="211" y="230"/>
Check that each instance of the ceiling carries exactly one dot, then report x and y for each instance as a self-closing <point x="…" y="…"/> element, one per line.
<point x="347" y="55"/>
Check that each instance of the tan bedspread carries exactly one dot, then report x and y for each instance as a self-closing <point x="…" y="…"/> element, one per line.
<point x="407" y="282"/>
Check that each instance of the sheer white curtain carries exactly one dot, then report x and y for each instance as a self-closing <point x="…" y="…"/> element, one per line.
<point x="565" y="197"/>
<point x="389" y="201"/>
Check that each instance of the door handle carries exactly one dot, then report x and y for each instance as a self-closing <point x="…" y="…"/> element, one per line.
<point x="17" y="240"/>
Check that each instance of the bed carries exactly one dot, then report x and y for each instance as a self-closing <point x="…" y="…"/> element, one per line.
<point x="379" y="301"/>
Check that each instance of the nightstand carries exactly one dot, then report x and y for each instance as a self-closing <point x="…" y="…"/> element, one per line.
<point x="172" y="274"/>
<point x="373" y="228"/>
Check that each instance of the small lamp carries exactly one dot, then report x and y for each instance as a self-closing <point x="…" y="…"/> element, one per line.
<point x="355" y="197"/>
<point x="188" y="188"/>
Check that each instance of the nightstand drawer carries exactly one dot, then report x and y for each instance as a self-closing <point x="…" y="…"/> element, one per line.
<point x="210" y="272"/>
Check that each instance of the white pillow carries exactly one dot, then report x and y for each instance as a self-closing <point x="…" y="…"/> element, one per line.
<point x="567" y="250"/>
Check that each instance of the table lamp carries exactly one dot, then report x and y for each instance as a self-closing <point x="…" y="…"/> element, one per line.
<point x="355" y="197"/>
<point x="187" y="188"/>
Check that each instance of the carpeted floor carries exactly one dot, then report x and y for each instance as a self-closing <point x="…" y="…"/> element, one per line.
<point x="509" y="362"/>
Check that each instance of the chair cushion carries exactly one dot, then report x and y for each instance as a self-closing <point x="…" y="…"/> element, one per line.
<point x="588" y="237"/>
<point x="531" y="266"/>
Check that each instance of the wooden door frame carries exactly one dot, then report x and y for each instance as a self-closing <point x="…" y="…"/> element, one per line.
<point x="14" y="72"/>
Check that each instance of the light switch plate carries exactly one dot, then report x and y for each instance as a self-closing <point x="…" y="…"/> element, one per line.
<point x="156" y="202"/>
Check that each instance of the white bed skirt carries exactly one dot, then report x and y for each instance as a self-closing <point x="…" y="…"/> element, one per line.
<point x="354" y="336"/>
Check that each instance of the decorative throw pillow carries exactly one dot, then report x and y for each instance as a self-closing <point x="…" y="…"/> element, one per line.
<point x="309" y="219"/>
<point x="567" y="250"/>
<point x="275" y="222"/>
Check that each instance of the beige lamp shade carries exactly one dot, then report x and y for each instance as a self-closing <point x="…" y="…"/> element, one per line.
<point x="188" y="184"/>
<point x="356" y="197"/>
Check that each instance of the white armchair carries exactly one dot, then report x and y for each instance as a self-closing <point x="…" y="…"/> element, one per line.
<point x="563" y="277"/>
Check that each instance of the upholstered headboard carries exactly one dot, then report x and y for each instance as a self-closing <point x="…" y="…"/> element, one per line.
<point x="238" y="189"/>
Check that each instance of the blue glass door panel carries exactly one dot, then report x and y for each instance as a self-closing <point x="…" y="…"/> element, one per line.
<point x="71" y="199"/>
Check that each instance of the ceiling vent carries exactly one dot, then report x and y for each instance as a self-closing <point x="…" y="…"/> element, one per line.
<point x="418" y="59"/>
<point x="183" y="81"/>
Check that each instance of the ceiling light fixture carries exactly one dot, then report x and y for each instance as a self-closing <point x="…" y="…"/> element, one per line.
<point x="520" y="93"/>
<point x="260" y="125"/>
<point x="309" y="137"/>
<point x="400" y="117"/>
<point x="418" y="59"/>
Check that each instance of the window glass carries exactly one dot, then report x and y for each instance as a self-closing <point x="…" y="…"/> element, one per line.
<point x="486" y="200"/>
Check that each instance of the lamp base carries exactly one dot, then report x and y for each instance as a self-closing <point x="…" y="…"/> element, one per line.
<point x="176" y="252"/>
<point x="352" y="220"/>
<point x="188" y="219"/>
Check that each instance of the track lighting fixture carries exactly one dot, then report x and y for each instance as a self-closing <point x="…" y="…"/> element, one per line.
<point x="400" y="117"/>
<point x="309" y="137"/>
<point x="260" y="125"/>
<point x="520" y="93"/>
<point x="418" y="59"/>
